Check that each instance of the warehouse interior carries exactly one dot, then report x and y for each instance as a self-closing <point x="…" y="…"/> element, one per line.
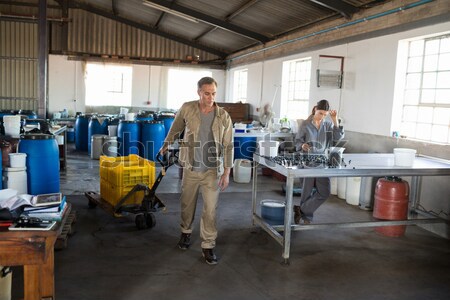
<point x="356" y="56"/>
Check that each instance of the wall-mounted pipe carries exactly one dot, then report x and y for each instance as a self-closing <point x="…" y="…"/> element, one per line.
<point x="351" y="23"/>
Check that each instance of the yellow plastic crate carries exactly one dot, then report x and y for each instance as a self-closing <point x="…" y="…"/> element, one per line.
<point x="127" y="171"/>
<point x="112" y="193"/>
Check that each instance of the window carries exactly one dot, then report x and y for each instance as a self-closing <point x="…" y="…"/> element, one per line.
<point x="295" y="88"/>
<point x="240" y="86"/>
<point x="425" y="101"/>
<point x="182" y="86"/>
<point x="108" y="84"/>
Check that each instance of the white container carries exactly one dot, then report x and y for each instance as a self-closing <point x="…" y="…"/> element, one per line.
<point x="112" y="130"/>
<point x="60" y="139"/>
<point x="333" y="185"/>
<point x="341" y="187"/>
<point x="242" y="171"/>
<point x="16" y="179"/>
<point x="352" y="190"/>
<point x="130" y="116"/>
<point x="97" y="145"/>
<point x="404" y="157"/>
<point x="17" y="160"/>
<point x="12" y="125"/>
<point x="268" y="148"/>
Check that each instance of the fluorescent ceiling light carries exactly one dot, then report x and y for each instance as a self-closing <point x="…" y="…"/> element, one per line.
<point x="170" y="11"/>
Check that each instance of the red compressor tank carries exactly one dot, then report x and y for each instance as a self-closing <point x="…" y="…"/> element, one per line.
<point x="391" y="203"/>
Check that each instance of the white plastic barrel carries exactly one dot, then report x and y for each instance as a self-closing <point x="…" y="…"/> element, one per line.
<point x="15" y="178"/>
<point x="242" y="171"/>
<point x="352" y="190"/>
<point x="333" y="186"/>
<point x="341" y="187"/>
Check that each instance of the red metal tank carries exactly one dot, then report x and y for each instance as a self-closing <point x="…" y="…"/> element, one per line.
<point x="391" y="203"/>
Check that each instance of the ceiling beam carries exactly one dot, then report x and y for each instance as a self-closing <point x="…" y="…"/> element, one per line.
<point x="211" y="20"/>
<point x="81" y="5"/>
<point x="345" y="9"/>
<point x="227" y="18"/>
<point x="114" y="7"/>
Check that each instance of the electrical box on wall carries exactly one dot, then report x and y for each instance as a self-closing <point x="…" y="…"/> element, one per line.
<point x="329" y="78"/>
<point x="330" y="71"/>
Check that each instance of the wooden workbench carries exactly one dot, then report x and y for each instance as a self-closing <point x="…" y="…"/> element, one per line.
<point x="34" y="251"/>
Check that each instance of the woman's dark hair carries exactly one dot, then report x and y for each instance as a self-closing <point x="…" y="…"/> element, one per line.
<point x="321" y="105"/>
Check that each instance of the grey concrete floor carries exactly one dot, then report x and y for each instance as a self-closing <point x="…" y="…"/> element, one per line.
<point x="108" y="258"/>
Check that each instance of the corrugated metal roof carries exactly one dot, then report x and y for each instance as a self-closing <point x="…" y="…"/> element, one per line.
<point x="130" y="28"/>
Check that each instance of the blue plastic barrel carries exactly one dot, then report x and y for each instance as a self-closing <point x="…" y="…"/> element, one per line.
<point x="70" y="134"/>
<point x="28" y="113"/>
<point x="1" y="172"/>
<point x="97" y="125"/>
<point x="42" y="162"/>
<point x="81" y="132"/>
<point x="167" y="118"/>
<point x="128" y="137"/>
<point x="152" y="138"/>
<point x="244" y="147"/>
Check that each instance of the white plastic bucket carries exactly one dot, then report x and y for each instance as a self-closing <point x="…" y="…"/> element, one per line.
<point x="242" y="171"/>
<point x="352" y="190"/>
<point x="12" y="125"/>
<point x="268" y="148"/>
<point x="404" y="157"/>
<point x="130" y="116"/>
<point x="16" y="179"/>
<point x="17" y="160"/>
<point x="60" y="139"/>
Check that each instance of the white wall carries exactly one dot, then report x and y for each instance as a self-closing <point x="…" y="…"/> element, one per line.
<point x="66" y="83"/>
<point x="366" y="99"/>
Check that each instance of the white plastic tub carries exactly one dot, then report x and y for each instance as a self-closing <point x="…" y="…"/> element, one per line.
<point x="268" y="148"/>
<point x="404" y="157"/>
<point x="17" y="160"/>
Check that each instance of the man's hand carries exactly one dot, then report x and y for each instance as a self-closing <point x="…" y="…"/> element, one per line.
<point x="224" y="179"/>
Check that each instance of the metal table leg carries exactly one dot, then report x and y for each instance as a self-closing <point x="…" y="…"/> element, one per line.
<point x="287" y="219"/>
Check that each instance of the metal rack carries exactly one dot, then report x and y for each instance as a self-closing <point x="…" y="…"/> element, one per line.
<point x="364" y="165"/>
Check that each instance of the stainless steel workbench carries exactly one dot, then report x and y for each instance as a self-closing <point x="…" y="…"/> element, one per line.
<point x="355" y="165"/>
